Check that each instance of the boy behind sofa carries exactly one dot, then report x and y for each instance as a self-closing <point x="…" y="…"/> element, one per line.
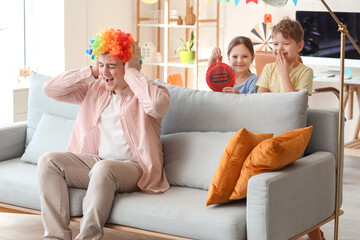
<point x="115" y="144"/>
<point x="287" y="74"/>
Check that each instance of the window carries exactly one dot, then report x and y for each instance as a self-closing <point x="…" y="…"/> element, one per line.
<point x="31" y="35"/>
<point x="12" y="52"/>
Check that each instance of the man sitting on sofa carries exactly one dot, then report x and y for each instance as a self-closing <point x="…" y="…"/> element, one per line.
<point x="115" y="143"/>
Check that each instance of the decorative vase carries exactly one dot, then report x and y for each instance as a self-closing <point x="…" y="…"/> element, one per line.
<point x="190" y="16"/>
<point x="179" y="21"/>
<point x="187" y="57"/>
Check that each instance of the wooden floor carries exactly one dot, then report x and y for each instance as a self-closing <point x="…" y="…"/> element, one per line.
<point x="9" y="210"/>
<point x="17" y="226"/>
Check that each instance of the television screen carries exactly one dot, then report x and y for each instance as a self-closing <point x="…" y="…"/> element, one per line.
<point x="321" y="36"/>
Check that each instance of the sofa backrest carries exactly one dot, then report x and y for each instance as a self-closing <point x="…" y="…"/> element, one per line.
<point x="39" y="103"/>
<point x="204" y="111"/>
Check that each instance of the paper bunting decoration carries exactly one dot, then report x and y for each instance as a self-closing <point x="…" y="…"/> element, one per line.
<point x="260" y="35"/>
<point x="237" y="1"/>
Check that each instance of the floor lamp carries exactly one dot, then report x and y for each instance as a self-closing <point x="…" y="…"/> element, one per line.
<point x="344" y="33"/>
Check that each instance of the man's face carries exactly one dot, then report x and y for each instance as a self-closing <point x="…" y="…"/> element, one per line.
<point x="287" y="46"/>
<point x="112" y="72"/>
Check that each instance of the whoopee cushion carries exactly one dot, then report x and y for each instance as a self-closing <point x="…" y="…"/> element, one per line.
<point x="52" y="135"/>
<point x="270" y="155"/>
<point x="231" y="162"/>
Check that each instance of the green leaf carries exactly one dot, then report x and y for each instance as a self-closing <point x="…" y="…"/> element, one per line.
<point x="187" y="46"/>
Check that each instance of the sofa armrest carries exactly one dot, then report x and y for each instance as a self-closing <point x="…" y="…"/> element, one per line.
<point x="12" y="140"/>
<point x="285" y="203"/>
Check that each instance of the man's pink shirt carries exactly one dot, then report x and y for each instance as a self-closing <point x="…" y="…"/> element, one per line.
<point x="143" y="105"/>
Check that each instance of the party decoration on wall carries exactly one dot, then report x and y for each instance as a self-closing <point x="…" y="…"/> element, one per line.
<point x="260" y="35"/>
<point x="149" y="1"/>
<point x="247" y="1"/>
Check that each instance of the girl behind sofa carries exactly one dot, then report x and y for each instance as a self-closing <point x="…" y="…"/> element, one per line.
<point x="240" y="54"/>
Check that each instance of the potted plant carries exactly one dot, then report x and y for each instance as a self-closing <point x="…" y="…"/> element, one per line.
<point x="187" y="56"/>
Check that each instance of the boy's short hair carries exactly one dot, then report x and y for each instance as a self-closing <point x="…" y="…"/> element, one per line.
<point x="289" y="29"/>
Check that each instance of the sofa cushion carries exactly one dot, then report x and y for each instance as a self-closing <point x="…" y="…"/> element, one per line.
<point x="18" y="186"/>
<point x="220" y="112"/>
<point x="270" y="155"/>
<point x="51" y="135"/>
<point x="231" y="162"/>
<point x="180" y="211"/>
<point x="39" y="103"/>
<point x="191" y="159"/>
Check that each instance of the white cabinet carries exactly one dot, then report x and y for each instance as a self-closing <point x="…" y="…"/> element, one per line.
<point x="20" y="103"/>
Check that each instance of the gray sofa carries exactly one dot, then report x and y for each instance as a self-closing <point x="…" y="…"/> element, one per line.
<point x="195" y="131"/>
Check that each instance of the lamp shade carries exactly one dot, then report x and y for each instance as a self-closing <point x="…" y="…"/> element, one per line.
<point x="276" y="3"/>
<point x="149" y="1"/>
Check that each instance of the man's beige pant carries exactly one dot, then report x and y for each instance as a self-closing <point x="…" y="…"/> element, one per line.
<point x="101" y="177"/>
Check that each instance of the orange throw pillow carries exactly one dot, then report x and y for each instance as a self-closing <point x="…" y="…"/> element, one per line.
<point x="270" y="155"/>
<point x="228" y="171"/>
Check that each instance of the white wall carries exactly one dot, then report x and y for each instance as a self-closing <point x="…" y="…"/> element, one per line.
<point x="84" y="18"/>
<point x="44" y="36"/>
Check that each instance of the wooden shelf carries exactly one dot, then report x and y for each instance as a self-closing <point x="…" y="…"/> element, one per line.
<point x="162" y="43"/>
<point x="177" y="64"/>
<point x="165" y="25"/>
<point x="162" y="25"/>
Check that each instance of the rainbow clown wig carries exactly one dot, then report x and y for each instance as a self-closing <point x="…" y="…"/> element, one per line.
<point x="116" y="42"/>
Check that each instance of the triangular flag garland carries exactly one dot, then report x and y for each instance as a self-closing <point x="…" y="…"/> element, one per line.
<point x="248" y="1"/>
